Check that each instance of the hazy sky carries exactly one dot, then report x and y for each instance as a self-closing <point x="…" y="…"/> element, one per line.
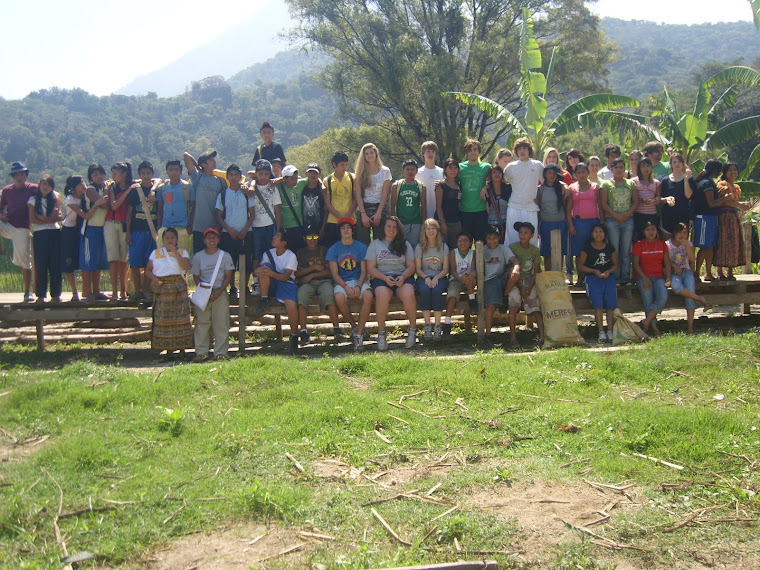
<point x="100" y="46"/>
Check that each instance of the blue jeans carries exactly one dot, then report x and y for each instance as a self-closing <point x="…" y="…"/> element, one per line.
<point x="684" y="281"/>
<point x="620" y="236"/>
<point x="432" y="299"/>
<point x="655" y="297"/>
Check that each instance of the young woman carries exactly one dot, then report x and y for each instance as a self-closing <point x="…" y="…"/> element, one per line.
<point x="551" y="156"/>
<point x="372" y="184"/>
<point x="729" y="251"/>
<point x="706" y="210"/>
<point x="44" y="217"/>
<point x="594" y="166"/>
<point x="573" y="158"/>
<point x="679" y="187"/>
<point x="115" y="227"/>
<point x="92" y="251"/>
<point x="585" y="213"/>
<point x="556" y="202"/>
<point x="634" y="157"/>
<point x="618" y="200"/>
<point x="165" y="271"/>
<point x="682" y="280"/>
<point x="447" y="197"/>
<point x="431" y="259"/>
<point x="598" y="261"/>
<point x="648" y="190"/>
<point x="497" y="194"/>
<point x="391" y="267"/>
<point x="651" y="264"/>
<point x="503" y="157"/>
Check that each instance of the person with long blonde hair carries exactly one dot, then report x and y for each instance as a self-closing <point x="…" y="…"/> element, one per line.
<point x="431" y="258"/>
<point x="372" y="185"/>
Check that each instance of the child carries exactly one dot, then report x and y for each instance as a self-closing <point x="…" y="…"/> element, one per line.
<point x="428" y="174"/>
<point x="462" y="270"/>
<point x="618" y="200"/>
<point x="651" y="264"/>
<point x="175" y="202"/>
<point x="524" y="290"/>
<point x="496" y="258"/>
<point x="276" y="279"/>
<point x="92" y="248"/>
<point x="315" y="280"/>
<point x="555" y="201"/>
<point x="115" y="227"/>
<point x="585" y="213"/>
<point x="497" y="194"/>
<point x="408" y="202"/>
<point x="313" y="202"/>
<point x="431" y="257"/>
<point x="44" y="217"/>
<point x="267" y="217"/>
<point x="270" y="149"/>
<point x="139" y="239"/>
<point x="338" y="192"/>
<point x="447" y="197"/>
<point x="234" y="213"/>
<point x="598" y="261"/>
<point x="682" y="280"/>
<point x="277" y="166"/>
<point x="525" y="175"/>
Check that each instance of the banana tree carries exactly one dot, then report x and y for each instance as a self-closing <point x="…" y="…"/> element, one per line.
<point x="591" y="111"/>
<point x="756" y="12"/>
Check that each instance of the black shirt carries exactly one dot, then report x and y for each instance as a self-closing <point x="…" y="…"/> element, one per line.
<point x="312" y="209"/>
<point x="599" y="259"/>
<point x="269" y="153"/>
<point x="700" y="200"/>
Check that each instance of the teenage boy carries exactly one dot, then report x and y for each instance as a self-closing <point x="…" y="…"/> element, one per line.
<point x="276" y="279"/>
<point x="408" y="202"/>
<point x="14" y="222"/>
<point x="270" y="149"/>
<point x="267" y="216"/>
<point x="525" y="175"/>
<point x="277" y="166"/>
<point x="216" y="316"/>
<point x="497" y="257"/>
<point x="653" y="150"/>
<point x="315" y="280"/>
<point x="472" y="178"/>
<point x="290" y="188"/>
<point x="462" y="278"/>
<point x="338" y="192"/>
<point x="428" y="174"/>
<point x="348" y="266"/>
<point x="234" y="213"/>
<point x="523" y="291"/>
<point x="313" y="202"/>
<point x="611" y="152"/>
<point x="139" y="238"/>
<point x="175" y="205"/>
<point x="207" y="188"/>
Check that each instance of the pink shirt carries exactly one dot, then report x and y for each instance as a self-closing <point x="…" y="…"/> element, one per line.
<point x="585" y="203"/>
<point x="646" y="192"/>
<point x="13" y="203"/>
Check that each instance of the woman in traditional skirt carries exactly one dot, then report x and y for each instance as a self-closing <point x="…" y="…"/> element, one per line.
<point x="729" y="251"/>
<point x="172" y="329"/>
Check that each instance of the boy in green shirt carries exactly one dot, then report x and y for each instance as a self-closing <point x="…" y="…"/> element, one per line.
<point x="408" y="202"/>
<point x="472" y="179"/>
<point x="528" y="258"/>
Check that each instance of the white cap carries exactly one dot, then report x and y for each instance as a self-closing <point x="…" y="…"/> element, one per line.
<point x="289" y="170"/>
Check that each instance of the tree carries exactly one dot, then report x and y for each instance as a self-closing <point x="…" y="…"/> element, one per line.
<point x="393" y="59"/>
<point x="591" y="111"/>
<point x="756" y="12"/>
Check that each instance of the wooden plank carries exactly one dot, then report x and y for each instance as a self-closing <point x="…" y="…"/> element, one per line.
<point x="71" y="315"/>
<point x="242" y="288"/>
<point x="480" y="270"/>
<point x="556" y="245"/>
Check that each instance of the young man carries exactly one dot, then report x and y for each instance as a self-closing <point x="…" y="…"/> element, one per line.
<point x="290" y="189"/>
<point x="216" y="316"/>
<point x="428" y="174"/>
<point x="315" y="280"/>
<point x="234" y="213"/>
<point x="139" y="238"/>
<point x="313" y="202"/>
<point x="277" y="166"/>
<point x="338" y="192"/>
<point x="276" y="279"/>
<point x="611" y="152"/>
<point x="497" y="257"/>
<point x="524" y="175"/>
<point x="348" y="266"/>
<point x="267" y="216"/>
<point x="408" y="202"/>
<point x="270" y="149"/>
<point x="462" y="278"/>
<point x="175" y="205"/>
<point x="528" y="258"/>
<point x="472" y="178"/>
<point x="654" y="150"/>
<point x="207" y="188"/>
<point x="14" y="222"/>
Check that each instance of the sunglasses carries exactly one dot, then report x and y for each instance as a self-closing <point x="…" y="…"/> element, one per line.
<point x="312" y="238"/>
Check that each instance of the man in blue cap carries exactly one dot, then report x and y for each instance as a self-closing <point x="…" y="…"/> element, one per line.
<point x="14" y="222"/>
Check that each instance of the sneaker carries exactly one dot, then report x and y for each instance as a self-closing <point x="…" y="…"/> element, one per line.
<point x="610" y="336"/>
<point x="255" y="289"/>
<point x="411" y="338"/>
<point x="602" y="336"/>
<point x="293" y="344"/>
<point x="337" y="335"/>
<point x="382" y="341"/>
<point x="446" y="330"/>
<point x="473" y="306"/>
<point x="437" y="332"/>
<point x="221" y="357"/>
<point x="428" y="332"/>
<point x="262" y="306"/>
<point x="358" y="341"/>
<point x="200" y="358"/>
<point x="304" y="335"/>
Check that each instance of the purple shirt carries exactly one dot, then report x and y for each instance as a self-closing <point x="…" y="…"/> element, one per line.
<point x="13" y="203"/>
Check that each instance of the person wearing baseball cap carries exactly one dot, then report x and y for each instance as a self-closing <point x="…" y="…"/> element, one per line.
<point x="313" y="203"/>
<point x="14" y="222"/>
<point x="216" y="315"/>
<point x="290" y="188"/>
<point x="270" y="149"/>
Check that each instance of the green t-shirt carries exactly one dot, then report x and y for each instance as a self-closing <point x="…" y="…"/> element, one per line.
<point x="661" y="170"/>
<point x="529" y="258"/>
<point x="408" y="202"/>
<point x="472" y="178"/>
<point x="294" y="194"/>
<point x="619" y="196"/>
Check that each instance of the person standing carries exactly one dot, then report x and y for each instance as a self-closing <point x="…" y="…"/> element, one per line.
<point x="428" y="174"/>
<point x="408" y="202"/>
<point x="45" y="216"/>
<point x="525" y="175"/>
<point x="472" y="178"/>
<point x="14" y="222"/>
<point x="270" y="149"/>
<point x="618" y="200"/>
<point x="338" y="192"/>
<point x="207" y="188"/>
<point x="175" y="199"/>
<point x="371" y="192"/>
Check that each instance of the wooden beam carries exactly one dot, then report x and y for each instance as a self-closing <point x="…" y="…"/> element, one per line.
<point x="556" y="245"/>
<point x="480" y="278"/>
<point x="242" y="288"/>
<point x="40" y="335"/>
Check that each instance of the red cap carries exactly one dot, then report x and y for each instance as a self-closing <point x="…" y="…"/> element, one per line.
<point x="211" y="231"/>
<point x="346" y="220"/>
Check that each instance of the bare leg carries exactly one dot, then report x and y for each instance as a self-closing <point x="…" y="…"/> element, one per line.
<point x="382" y="300"/>
<point x="342" y="303"/>
<point x="332" y="310"/>
<point x="26" y="274"/>
<point x="73" y="285"/>
<point x="137" y="280"/>
<point x="610" y="319"/>
<point x="406" y="294"/>
<point x="114" y="270"/>
<point x="599" y="314"/>
<point x="365" y="311"/>
<point x="513" y="322"/>
<point x="690" y="320"/>
<point x="292" y="309"/>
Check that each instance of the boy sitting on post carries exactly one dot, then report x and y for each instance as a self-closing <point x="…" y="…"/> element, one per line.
<point x="314" y="279"/>
<point x="523" y="291"/>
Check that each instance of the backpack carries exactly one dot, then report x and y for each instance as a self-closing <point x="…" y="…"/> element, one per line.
<point x="329" y="182"/>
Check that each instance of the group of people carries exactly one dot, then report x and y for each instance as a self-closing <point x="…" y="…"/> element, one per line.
<point x="361" y="235"/>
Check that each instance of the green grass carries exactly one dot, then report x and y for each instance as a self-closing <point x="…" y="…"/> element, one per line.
<point x="110" y="438"/>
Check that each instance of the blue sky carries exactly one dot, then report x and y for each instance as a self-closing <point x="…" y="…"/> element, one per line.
<point x="101" y="45"/>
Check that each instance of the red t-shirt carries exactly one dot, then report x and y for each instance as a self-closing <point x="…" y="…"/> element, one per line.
<point x="651" y="255"/>
<point x="13" y="202"/>
<point x="120" y="214"/>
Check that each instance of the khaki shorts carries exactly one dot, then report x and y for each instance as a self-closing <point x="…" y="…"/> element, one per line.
<point x="116" y="241"/>
<point x="339" y="290"/>
<point x="183" y="239"/>
<point x="22" y="244"/>
<point x="322" y="288"/>
<point x="531" y="302"/>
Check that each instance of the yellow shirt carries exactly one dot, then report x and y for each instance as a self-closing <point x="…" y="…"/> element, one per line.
<point x="341" y="197"/>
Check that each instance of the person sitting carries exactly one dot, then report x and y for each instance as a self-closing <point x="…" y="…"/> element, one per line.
<point x="314" y="279"/>
<point x="528" y="265"/>
<point x="496" y="259"/>
<point x="651" y="263"/>
<point x="462" y="272"/>
<point x="431" y="257"/>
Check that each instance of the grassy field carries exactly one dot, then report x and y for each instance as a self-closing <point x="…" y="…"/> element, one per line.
<point x="512" y="458"/>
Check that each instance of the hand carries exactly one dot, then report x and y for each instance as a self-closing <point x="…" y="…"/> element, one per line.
<point x="688" y="172"/>
<point x="129" y="238"/>
<point x="670" y="201"/>
<point x="483" y="193"/>
<point x="444" y="228"/>
<point x="243" y="233"/>
<point x="353" y="292"/>
<point x="365" y="220"/>
<point x="433" y="281"/>
<point x="646" y="283"/>
<point x="233" y="233"/>
<point x="151" y="198"/>
<point x="158" y="282"/>
<point x="667" y="283"/>
<point x="376" y="218"/>
<point x="572" y="230"/>
<point x="307" y="278"/>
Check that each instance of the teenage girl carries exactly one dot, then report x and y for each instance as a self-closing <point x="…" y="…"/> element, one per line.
<point x="44" y="217"/>
<point x="729" y="251"/>
<point x="448" y="194"/>
<point x="115" y="227"/>
<point x="648" y="189"/>
<point x="651" y="265"/>
<point x="372" y="185"/>
<point x="585" y="212"/>
<point x="497" y="194"/>
<point x="431" y="258"/>
<point x="556" y="202"/>
<point x="551" y="156"/>
<point x="598" y="261"/>
<point x="634" y="157"/>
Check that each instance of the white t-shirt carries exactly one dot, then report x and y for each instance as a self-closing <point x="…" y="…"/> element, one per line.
<point x="287" y="260"/>
<point x="605" y="174"/>
<point x="428" y="176"/>
<point x="165" y="264"/>
<point x="39" y="227"/>
<point x="270" y="193"/>
<point x="374" y="193"/>
<point x="525" y="176"/>
<point x="69" y="215"/>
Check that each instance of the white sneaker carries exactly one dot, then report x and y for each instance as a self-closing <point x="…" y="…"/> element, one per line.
<point x="28" y="298"/>
<point x="382" y="341"/>
<point x="610" y="336"/>
<point x="411" y="338"/>
<point x="358" y="341"/>
<point x="602" y="336"/>
<point x="428" y="332"/>
<point x="437" y="332"/>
